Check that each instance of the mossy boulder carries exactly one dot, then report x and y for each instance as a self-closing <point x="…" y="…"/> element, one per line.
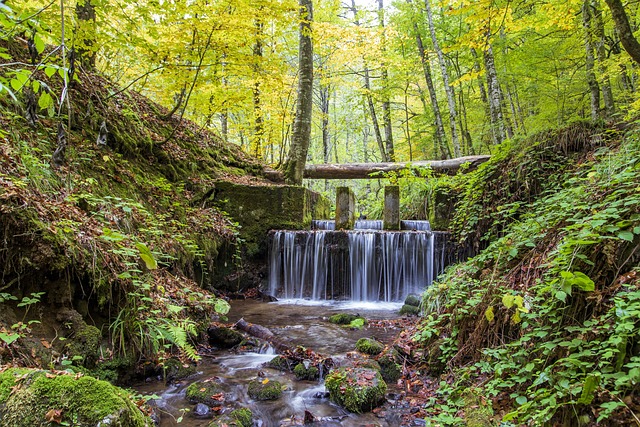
<point x="265" y="389"/>
<point x="369" y="346"/>
<point x="86" y="344"/>
<point x="280" y="363"/>
<point x="303" y="372"/>
<point x="207" y="392"/>
<point x="389" y="369"/>
<point x="412" y="299"/>
<point x="176" y="370"/>
<point x="411" y="310"/>
<point x="39" y="396"/>
<point x="345" y="318"/>
<point x="242" y="417"/>
<point x="356" y="389"/>
<point x="223" y="337"/>
<point x="477" y="411"/>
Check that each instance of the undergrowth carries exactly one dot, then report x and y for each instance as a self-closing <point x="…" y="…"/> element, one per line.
<point x="545" y="321"/>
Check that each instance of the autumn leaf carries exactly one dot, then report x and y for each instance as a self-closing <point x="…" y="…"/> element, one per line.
<point x="54" y="416"/>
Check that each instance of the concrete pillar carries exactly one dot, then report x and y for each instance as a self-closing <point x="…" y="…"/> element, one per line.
<point x="391" y="218"/>
<point x="345" y="208"/>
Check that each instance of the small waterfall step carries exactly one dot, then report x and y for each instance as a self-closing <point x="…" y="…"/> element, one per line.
<point x="361" y="265"/>
<point x="371" y="224"/>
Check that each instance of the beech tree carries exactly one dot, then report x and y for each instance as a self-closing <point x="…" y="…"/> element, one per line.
<point x="297" y="158"/>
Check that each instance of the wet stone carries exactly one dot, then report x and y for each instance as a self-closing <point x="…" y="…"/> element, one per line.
<point x="202" y="411"/>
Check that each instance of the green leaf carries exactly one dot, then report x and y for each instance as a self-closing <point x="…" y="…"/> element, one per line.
<point x="507" y="300"/>
<point x="562" y="296"/>
<point x="521" y="400"/>
<point x="589" y="389"/>
<point x="489" y="314"/>
<point x="147" y="256"/>
<point x="626" y="235"/>
<point x="221" y="306"/>
<point x="45" y="101"/>
<point x="8" y="338"/>
<point x="175" y="308"/>
<point x="39" y="43"/>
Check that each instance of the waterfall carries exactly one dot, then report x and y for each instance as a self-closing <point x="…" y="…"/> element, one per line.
<point x="361" y="265"/>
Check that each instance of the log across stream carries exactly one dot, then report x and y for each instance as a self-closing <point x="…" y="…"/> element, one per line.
<point x="298" y="323"/>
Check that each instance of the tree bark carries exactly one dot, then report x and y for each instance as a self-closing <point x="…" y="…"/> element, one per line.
<point x="365" y="170"/>
<point x="440" y="135"/>
<point x="301" y="135"/>
<point x="451" y="101"/>
<point x="592" y="82"/>
<point x="621" y="21"/>
<point x="386" y="101"/>
<point x="495" y="97"/>
<point x="86" y="33"/>
<point x="601" y="55"/>
<point x="258" y="131"/>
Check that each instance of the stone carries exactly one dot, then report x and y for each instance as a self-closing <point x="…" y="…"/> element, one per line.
<point x="206" y="392"/>
<point x="345" y="208"/>
<point x="411" y="310"/>
<point x="223" y="337"/>
<point x="369" y="346"/>
<point x="391" y="215"/>
<point x="202" y="411"/>
<point x="356" y="389"/>
<point x="412" y="299"/>
<point x="264" y="389"/>
<point x="304" y="372"/>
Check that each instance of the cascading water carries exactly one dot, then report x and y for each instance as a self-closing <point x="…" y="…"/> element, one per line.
<point x="362" y="265"/>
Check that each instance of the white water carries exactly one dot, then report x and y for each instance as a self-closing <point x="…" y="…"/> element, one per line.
<point x="359" y="265"/>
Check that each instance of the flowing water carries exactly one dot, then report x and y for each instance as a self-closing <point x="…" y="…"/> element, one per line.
<point x="300" y="322"/>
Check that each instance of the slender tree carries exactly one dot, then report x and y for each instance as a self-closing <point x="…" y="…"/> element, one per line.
<point x="296" y="160"/>
<point x="628" y="40"/>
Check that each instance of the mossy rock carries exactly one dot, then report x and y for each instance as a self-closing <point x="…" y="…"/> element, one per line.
<point x="280" y="363"/>
<point x="389" y="369"/>
<point x="356" y="389"/>
<point x="222" y="337"/>
<point x="176" y="370"/>
<point x="203" y="392"/>
<point x="306" y="373"/>
<point x="369" y="346"/>
<point x="411" y="310"/>
<point x="412" y="299"/>
<point x="83" y="401"/>
<point x="242" y="417"/>
<point x="345" y="319"/>
<point x="85" y="344"/>
<point x="265" y="389"/>
<point x="477" y="412"/>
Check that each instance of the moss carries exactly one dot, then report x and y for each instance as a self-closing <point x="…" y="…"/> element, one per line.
<point x="357" y="390"/>
<point x="411" y="310"/>
<point x="203" y="392"/>
<point x="222" y="337"/>
<point x="280" y="363"/>
<point x="238" y="418"/>
<point x="83" y="401"/>
<point x="477" y="412"/>
<point x="265" y="390"/>
<point x="176" y="370"/>
<point x="389" y="369"/>
<point x="345" y="319"/>
<point x="413" y="300"/>
<point x="369" y="346"/>
<point x="303" y="373"/>
<point x="8" y="381"/>
<point x="86" y="344"/>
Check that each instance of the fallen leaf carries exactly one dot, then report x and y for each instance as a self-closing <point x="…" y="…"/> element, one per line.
<point x="54" y="416"/>
<point x="265" y="381"/>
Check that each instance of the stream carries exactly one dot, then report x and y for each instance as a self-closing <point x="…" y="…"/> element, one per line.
<point x="299" y="322"/>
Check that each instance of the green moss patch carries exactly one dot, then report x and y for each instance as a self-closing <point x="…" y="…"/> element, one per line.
<point x="345" y="318"/>
<point x="356" y="389"/>
<point x="306" y="373"/>
<point x="83" y="401"/>
<point x="265" y="389"/>
<point x="411" y="310"/>
<point x="369" y="346"/>
<point x="207" y="392"/>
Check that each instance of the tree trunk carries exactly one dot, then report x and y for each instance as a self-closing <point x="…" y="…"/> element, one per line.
<point x="592" y="82"/>
<point x="621" y="21"/>
<point x="85" y="37"/>
<point x="495" y="98"/>
<point x="386" y="101"/>
<point x="258" y="131"/>
<point x="451" y="101"/>
<point x="300" y="138"/>
<point x="601" y="55"/>
<point x="440" y="135"/>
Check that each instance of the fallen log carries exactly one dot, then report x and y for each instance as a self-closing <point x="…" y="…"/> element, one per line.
<point x="263" y="333"/>
<point x="378" y="170"/>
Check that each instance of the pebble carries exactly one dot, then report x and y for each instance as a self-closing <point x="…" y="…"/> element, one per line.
<point x="202" y="410"/>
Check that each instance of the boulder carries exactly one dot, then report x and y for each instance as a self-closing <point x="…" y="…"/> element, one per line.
<point x="206" y="392"/>
<point x="356" y="389"/>
<point x="222" y="337"/>
<point x="412" y="299"/>
<point x="265" y="389"/>
<point x="369" y="346"/>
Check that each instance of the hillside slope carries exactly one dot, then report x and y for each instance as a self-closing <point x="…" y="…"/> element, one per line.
<point x="103" y="222"/>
